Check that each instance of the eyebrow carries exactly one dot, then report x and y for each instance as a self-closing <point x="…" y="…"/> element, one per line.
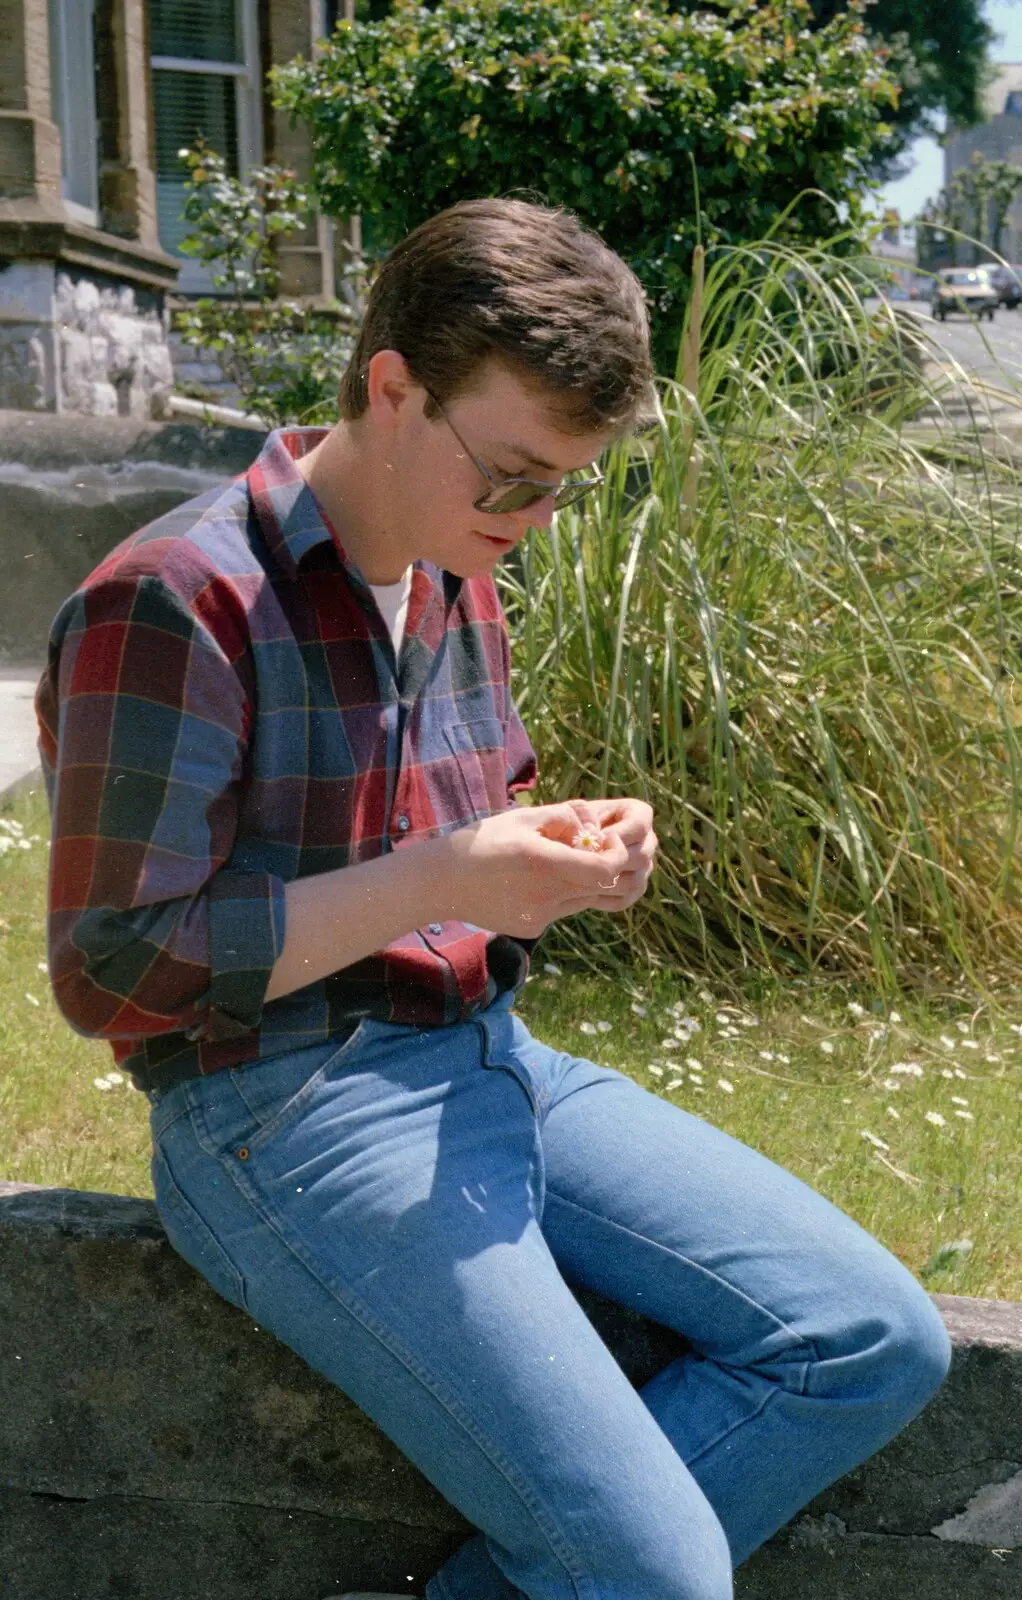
<point x="526" y="455"/>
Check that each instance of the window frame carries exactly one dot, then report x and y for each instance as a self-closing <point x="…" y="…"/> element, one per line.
<point x="72" y="40"/>
<point x="193" y="277"/>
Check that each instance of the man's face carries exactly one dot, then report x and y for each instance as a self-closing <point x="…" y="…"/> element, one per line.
<point x="512" y="431"/>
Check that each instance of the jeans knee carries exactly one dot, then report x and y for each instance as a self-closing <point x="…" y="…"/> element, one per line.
<point x="919" y="1341"/>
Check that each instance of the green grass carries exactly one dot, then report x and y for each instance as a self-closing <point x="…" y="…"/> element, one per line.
<point x="935" y="1186"/>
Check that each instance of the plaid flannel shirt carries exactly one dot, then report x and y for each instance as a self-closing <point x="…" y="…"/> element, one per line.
<point x="222" y="713"/>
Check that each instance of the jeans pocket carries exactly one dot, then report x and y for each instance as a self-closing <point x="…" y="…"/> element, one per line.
<point x="272" y="1093"/>
<point x="192" y="1237"/>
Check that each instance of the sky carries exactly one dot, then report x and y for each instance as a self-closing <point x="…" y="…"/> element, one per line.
<point x="926" y="178"/>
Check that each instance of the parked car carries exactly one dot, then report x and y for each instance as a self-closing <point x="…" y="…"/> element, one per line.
<point x="968" y="289"/>
<point x="1008" y="283"/>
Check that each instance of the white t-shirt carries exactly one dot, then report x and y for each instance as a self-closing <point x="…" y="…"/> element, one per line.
<point x="392" y="599"/>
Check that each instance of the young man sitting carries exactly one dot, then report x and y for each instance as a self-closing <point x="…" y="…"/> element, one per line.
<point x="291" y="886"/>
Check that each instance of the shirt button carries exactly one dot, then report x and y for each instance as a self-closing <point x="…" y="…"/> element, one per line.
<point x="436" y="927"/>
<point x="403" y="823"/>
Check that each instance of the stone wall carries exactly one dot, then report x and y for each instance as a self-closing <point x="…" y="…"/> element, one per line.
<point x="155" y="1444"/>
<point x="71" y="488"/>
<point x="72" y="344"/>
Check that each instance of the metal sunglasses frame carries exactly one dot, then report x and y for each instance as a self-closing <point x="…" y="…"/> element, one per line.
<point x="566" y="495"/>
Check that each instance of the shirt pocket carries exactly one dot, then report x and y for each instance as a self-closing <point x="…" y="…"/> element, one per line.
<point x="479" y="765"/>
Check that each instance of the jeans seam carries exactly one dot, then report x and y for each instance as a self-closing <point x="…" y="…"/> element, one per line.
<point x="438" y="1390"/>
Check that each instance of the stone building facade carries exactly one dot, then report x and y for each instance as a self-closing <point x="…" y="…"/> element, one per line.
<point x="96" y="98"/>
<point x="998" y="138"/>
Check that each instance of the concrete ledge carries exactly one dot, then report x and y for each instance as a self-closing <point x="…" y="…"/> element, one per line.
<point x="155" y="1444"/>
<point x="72" y="487"/>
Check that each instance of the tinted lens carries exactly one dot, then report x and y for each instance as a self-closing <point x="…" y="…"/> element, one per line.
<point x="572" y="492"/>
<point x="511" y="497"/>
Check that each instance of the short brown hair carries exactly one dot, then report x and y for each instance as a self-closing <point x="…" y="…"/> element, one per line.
<point x="525" y="284"/>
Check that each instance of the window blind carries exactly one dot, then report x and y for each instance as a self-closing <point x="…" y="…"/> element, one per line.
<point x="200" y="30"/>
<point x="188" y="105"/>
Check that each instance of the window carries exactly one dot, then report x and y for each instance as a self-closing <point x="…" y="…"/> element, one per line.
<point x="205" y="82"/>
<point x="73" y="92"/>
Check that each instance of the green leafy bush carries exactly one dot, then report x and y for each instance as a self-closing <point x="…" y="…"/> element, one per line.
<point x="657" y="129"/>
<point x="285" y="356"/>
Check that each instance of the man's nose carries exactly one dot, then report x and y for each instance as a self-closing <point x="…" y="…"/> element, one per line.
<point x="539" y="515"/>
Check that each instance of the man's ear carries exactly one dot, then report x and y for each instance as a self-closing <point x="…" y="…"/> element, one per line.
<point x="389" y="386"/>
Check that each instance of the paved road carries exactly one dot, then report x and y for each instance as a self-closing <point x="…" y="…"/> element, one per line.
<point x="18" y="731"/>
<point x="991" y="349"/>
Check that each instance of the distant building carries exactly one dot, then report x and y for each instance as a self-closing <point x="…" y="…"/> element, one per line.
<point x="96" y="99"/>
<point x="998" y="138"/>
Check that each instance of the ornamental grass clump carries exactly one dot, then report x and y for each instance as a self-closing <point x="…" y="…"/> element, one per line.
<point x="790" y="620"/>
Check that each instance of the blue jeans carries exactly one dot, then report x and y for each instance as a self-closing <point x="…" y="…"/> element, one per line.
<point x="407" y="1211"/>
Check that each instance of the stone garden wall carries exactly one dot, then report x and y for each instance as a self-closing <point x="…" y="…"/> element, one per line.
<point x="155" y="1444"/>
<point x="72" y="487"/>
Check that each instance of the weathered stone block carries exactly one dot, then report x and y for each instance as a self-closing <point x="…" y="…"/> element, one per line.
<point x="155" y="1443"/>
<point x="72" y="487"/>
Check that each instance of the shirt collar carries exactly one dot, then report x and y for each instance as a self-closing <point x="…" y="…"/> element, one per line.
<point x="290" y="516"/>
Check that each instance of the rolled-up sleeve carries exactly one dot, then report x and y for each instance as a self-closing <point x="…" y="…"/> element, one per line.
<point x="144" y="720"/>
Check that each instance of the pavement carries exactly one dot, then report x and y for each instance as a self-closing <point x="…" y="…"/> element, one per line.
<point x="19" y="756"/>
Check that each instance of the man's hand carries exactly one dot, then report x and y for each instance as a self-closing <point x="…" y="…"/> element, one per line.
<point x="631" y="821"/>
<point x="518" y="871"/>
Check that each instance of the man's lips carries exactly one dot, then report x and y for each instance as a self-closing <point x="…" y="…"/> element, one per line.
<point x="495" y="542"/>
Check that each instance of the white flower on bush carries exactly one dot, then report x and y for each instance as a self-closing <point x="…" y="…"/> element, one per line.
<point x="936" y="1118"/>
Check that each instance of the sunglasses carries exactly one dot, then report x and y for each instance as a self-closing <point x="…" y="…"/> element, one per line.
<point x="514" y="494"/>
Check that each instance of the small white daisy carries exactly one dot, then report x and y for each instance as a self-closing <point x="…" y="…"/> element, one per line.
<point x="936" y="1118"/>
<point x="728" y="1088"/>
